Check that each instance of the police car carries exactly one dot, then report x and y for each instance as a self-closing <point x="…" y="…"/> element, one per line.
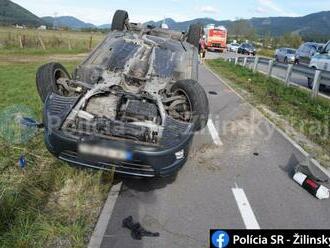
<point x="320" y="61"/>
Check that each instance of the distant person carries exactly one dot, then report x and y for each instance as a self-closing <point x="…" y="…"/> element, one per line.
<point x="202" y="48"/>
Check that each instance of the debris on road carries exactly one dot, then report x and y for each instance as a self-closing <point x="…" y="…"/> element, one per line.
<point x="137" y="231"/>
<point x="316" y="189"/>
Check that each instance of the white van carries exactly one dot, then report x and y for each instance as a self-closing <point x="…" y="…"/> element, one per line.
<point x="321" y="61"/>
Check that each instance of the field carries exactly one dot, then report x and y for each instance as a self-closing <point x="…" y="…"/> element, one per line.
<point x="47" y="203"/>
<point x="46" y="41"/>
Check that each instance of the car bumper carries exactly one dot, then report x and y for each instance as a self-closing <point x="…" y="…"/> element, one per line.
<point x="146" y="161"/>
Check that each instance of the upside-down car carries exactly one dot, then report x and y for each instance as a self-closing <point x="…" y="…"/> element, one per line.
<point x="132" y="105"/>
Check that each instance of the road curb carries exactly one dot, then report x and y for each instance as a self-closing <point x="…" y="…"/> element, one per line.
<point x="313" y="161"/>
<point x="104" y="218"/>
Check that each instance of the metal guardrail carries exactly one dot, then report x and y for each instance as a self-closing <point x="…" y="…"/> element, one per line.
<point x="310" y="73"/>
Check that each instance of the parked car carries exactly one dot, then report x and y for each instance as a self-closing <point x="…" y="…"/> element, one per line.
<point x="320" y="61"/>
<point x="285" y="55"/>
<point x="247" y="48"/>
<point x="233" y="47"/>
<point x="132" y="105"/>
<point x="306" y="51"/>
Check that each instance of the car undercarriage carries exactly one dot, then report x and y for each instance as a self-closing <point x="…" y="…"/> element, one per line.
<point x="139" y="85"/>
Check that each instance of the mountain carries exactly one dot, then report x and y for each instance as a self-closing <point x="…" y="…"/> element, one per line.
<point x="67" y="21"/>
<point x="316" y="24"/>
<point x="11" y="14"/>
<point x="104" y="26"/>
<point x="313" y="24"/>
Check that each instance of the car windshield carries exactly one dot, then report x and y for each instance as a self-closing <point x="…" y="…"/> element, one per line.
<point x="235" y="44"/>
<point x="291" y="51"/>
<point x="249" y="46"/>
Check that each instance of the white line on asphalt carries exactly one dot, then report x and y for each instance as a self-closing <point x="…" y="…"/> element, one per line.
<point x="214" y="133"/>
<point x="102" y="224"/>
<point x="245" y="209"/>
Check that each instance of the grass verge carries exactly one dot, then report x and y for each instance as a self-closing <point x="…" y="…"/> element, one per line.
<point x="307" y="116"/>
<point x="48" y="203"/>
<point x="266" y="53"/>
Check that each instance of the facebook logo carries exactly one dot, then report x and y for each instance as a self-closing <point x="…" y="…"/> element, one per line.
<point x="220" y="239"/>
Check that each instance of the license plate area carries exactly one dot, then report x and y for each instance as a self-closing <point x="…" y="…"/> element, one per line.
<point x="104" y="152"/>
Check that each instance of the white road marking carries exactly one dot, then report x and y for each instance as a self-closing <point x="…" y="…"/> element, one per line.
<point x="214" y="133"/>
<point x="245" y="209"/>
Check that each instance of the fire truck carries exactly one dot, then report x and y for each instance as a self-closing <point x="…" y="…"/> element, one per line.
<point x="215" y="38"/>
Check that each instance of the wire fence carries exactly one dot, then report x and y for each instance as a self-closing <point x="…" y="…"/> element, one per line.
<point x="11" y="38"/>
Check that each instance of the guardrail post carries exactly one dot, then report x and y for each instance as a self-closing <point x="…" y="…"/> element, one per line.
<point x="236" y="60"/>
<point x="270" y="67"/>
<point x="316" y="83"/>
<point x="255" y="65"/>
<point x="288" y="74"/>
<point x="245" y="62"/>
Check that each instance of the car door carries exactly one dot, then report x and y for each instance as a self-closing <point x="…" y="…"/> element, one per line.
<point x="304" y="58"/>
<point x="323" y="59"/>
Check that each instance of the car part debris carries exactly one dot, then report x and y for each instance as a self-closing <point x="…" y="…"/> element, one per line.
<point x="316" y="189"/>
<point x="137" y="231"/>
<point x="22" y="162"/>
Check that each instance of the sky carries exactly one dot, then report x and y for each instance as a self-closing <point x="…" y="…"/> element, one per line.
<point x="100" y="11"/>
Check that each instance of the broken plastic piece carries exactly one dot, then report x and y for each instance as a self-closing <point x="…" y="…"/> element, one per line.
<point x="137" y="231"/>
<point x="22" y="162"/>
<point x="309" y="184"/>
<point x="29" y="122"/>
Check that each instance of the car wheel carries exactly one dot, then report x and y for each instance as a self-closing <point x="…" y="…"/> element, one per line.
<point x="194" y="34"/>
<point x="46" y="79"/>
<point x="196" y="107"/>
<point x="310" y="83"/>
<point x="285" y="60"/>
<point x="119" y="20"/>
<point x="297" y="62"/>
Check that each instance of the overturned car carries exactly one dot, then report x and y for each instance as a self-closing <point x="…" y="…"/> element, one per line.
<point x="132" y="105"/>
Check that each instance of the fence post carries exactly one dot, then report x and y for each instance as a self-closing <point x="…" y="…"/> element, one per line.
<point x="236" y="60"/>
<point x="42" y="43"/>
<point x="270" y="67"/>
<point x="255" y="65"/>
<point x="288" y="74"/>
<point x="20" y="42"/>
<point x="245" y="62"/>
<point x="316" y="83"/>
<point x="90" y="43"/>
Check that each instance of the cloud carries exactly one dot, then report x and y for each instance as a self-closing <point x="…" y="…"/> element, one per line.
<point x="208" y="9"/>
<point x="270" y="6"/>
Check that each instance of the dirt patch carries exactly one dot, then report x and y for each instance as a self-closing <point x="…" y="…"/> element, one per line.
<point x="21" y="59"/>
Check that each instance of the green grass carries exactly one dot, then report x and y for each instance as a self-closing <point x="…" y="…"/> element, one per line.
<point x="266" y="53"/>
<point x="306" y="115"/>
<point x="47" y="204"/>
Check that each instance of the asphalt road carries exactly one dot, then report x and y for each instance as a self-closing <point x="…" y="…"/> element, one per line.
<point x="278" y="72"/>
<point x="241" y="183"/>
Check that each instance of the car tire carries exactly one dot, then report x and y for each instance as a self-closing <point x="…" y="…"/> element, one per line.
<point x="194" y="34"/>
<point x="119" y="20"/>
<point x="285" y="60"/>
<point x="46" y="78"/>
<point x="310" y="83"/>
<point x="197" y="98"/>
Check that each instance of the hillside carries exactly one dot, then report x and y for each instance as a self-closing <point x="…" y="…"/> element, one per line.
<point x="11" y="14"/>
<point x="67" y="21"/>
<point x="317" y="24"/>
